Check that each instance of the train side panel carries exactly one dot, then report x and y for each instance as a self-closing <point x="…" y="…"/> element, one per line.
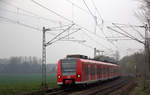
<point x="59" y="78"/>
<point x="88" y="71"/>
<point x="79" y="72"/>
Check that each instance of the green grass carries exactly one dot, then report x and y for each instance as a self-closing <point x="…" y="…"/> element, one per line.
<point x="143" y="88"/>
<point x="12" y="84"/>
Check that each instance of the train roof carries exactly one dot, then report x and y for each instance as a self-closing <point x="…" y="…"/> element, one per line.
<point x="92" y="61"/>
<point x="99" y="62"/>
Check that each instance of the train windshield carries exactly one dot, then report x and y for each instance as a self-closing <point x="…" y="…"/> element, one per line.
<point x="68" y="66"/>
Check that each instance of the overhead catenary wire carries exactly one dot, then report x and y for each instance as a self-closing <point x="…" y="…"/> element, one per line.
<point x="128" y="25"/>
<point x="59" y="39"/>
<point x="138" y="32"/>
<point x="93" y="16"/>
<point x="88" y="9"/>
<point x="31" y="13"/>
<point x="123" y="30"/>
<point x="34" y="15"/>
<point x="96" y="19"/>
<point x="51" y="11"/>
<point x="60" y="34"/>
<point x="20" y="23"/>
<point x="126" y="32"/>
<point x="125" y="35"/>
<point x="87" y="46"/>
<point x="23" y="24"/>
<point x="96" y="41"/>
<point x="65" y="18"/>
<point x="99" y="14"/>
<point x="77" y="6"/>
<point x="82" y="9"/>
<point x="29" y="26"/>
<point x="23" y="14"/>
<point x="107" y="38"/>
<point x="117" y="37"/>
<point x="26" y="25"/>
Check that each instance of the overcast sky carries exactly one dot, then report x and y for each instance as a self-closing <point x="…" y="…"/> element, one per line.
<point x="19" y="40"/>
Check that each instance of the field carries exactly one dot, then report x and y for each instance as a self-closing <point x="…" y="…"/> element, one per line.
<point x="143" y="87"/>
<point x="12" y="84"/>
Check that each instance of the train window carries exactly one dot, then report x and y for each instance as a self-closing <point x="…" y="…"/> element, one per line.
<point x="98" y="70"/>
<point x="103" y="70"/>
<point x="87" y="69"/>
<point x="110" y="70"/>
<point x="93" y="70"/>
<point x="83" y="68"/>
<point x="68" y="66"/>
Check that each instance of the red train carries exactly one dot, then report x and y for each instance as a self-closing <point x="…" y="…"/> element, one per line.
<point x="84" y="71"/>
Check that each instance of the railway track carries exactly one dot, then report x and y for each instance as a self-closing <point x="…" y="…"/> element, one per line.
<point x="59" y="92"/>
<point x="102" y="89"/>
<point x="65" y="91"/>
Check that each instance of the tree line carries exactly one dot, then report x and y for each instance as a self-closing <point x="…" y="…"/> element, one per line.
<point x="23" y="65"/>
<point x="133" y="64"/>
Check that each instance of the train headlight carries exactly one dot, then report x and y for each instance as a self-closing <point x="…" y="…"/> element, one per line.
<point x="78" y="76"/>
<point x="59" y="76"/>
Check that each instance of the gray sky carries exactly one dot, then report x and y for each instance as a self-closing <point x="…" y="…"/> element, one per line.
<point x="17" y="40"/>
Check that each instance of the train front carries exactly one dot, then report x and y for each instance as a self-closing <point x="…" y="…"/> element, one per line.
<point x="68" y="71"/>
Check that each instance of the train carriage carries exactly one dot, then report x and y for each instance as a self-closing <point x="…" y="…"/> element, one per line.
<point x="84" y="71"/>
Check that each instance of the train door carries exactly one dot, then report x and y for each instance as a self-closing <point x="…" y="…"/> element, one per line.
<point x="94" y="66"/>
<point x="83" y="71"/>
<point x="97" y="69"/>
<point x="108" y="72"/>
<point x="89" y="74"/>
<point x="98" y="72"/>
<point x="92" y="71"/>
<point x="111" y="71"/>
<point x="102" y="72"/>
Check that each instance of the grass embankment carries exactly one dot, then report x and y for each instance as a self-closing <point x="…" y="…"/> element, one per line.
<point x="143" y="87"/>
<point x="12" y="84"/>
